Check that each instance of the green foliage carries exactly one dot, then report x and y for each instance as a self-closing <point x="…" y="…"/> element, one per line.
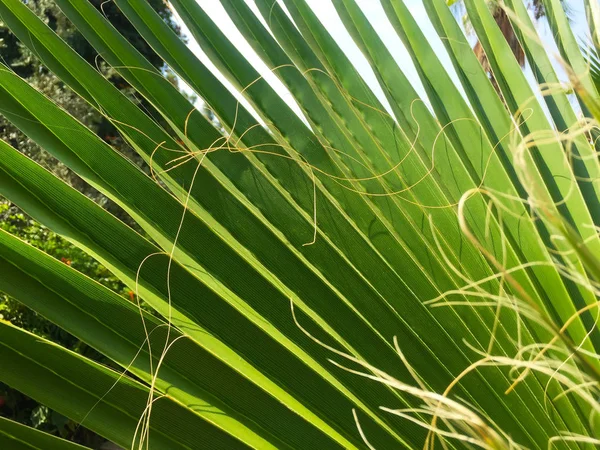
<point x="26" y="63"/>
<point x="13" y="404"/>
<point x="18" y="224"/>
<point x="410" y="278"/>
<point x="39" y="236"/>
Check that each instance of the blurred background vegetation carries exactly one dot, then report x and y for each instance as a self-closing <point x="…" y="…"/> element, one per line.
<point x="23" y="62"/>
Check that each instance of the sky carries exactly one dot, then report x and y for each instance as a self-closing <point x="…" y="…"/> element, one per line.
<point x="325" y="10"/>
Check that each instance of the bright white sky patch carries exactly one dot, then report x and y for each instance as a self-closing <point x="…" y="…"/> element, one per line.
<point x="325" y="11"/>
<point x="373" y="10"/>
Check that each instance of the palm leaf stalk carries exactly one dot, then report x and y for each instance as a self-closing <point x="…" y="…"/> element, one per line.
<point x="351" y="278"/>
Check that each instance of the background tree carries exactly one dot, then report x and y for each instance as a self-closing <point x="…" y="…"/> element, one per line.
<point x="503" y="21"/>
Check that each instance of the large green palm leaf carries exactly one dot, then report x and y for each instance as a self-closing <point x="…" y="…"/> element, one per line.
<point x="272" y="250"/>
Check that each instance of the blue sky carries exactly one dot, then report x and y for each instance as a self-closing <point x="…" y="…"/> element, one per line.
<point x="374" y="12"/>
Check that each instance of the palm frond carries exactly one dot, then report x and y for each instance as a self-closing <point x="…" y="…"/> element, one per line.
<point x="344" y="277"/>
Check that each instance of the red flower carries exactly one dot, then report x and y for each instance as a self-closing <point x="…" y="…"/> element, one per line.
<point x="131" y="295"/>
